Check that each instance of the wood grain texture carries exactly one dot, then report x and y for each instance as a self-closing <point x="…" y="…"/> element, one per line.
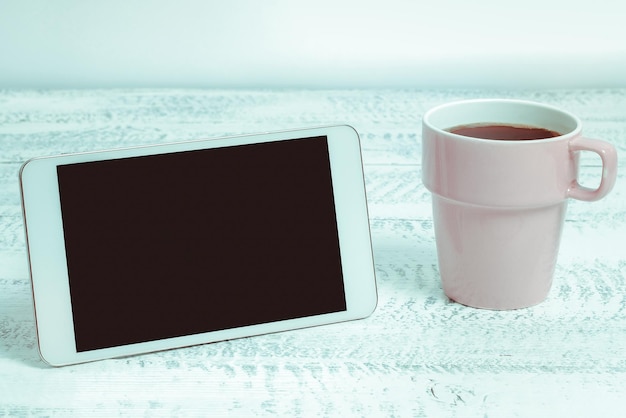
<point x="418" y="355"/>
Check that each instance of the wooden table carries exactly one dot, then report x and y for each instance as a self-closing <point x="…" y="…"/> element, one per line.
<point x="418" y="355"/>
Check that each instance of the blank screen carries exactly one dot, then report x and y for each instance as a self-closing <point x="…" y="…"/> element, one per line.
<point x="189" y="242"/>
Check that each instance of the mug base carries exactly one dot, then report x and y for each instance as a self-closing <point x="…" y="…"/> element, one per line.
<point x="497" y="258"/>
<point x="495" y="306"/>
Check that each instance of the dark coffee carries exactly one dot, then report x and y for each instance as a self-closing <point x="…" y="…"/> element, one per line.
<point x="503" y="132"/>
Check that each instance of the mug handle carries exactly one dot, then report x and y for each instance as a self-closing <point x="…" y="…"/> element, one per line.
<point x="608" y="154"/>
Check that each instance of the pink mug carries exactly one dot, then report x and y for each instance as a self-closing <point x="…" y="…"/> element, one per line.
<point x="499" y="205"/>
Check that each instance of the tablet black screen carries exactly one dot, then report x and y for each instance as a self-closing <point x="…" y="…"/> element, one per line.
<point x="189" y="242"/>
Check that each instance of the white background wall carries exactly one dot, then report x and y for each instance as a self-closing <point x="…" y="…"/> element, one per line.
<point x="313" y="43"/>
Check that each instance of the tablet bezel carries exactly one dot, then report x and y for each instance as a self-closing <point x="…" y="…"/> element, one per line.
<point x="47" y="259"/>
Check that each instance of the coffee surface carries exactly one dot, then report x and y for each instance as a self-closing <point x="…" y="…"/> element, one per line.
<point x="503" y="132"/>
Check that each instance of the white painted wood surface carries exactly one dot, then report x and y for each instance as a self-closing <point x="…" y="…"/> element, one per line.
<point x="417" y="355"/>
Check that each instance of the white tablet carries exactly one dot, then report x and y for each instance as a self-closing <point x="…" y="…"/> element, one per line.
<point x="151" y="248"/>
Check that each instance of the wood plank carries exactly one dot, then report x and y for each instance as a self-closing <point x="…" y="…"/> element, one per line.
<point x="418" y="355"/>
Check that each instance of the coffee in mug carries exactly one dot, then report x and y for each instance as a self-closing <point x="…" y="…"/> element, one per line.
<point x="503" y="132"/>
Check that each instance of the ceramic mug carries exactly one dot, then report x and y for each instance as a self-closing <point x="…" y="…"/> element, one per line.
<point x="499" y="205"/>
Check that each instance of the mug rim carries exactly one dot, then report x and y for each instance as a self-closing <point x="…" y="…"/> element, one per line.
<point x="426" y="120"/>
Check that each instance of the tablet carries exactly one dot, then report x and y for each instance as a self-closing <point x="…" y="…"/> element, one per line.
<point x="151" y="248"/>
